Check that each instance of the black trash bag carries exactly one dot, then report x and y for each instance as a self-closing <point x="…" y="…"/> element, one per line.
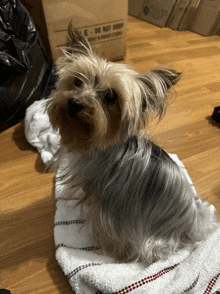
<point x="216" y="114"/>
<point x="26" y="72"/>
<point x="5" y="291"/>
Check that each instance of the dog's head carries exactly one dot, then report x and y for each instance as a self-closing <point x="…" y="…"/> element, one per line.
<point x="99" y="103"/>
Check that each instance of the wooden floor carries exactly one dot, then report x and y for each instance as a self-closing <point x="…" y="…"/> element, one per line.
<point x="27" y="207"/>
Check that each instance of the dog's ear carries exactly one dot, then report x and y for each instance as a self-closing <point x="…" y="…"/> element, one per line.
<point x="76" y="43"/>
<point x="155" y="86"/>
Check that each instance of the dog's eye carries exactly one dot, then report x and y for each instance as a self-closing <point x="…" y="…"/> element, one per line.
<point x="78" y="83"/>
<point x="110" y="97"/>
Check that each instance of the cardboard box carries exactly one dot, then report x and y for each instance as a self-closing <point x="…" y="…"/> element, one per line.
<point x="103" y="23"/>
<point x="189" y="15"/>
<point x="216" y="29"/>
<point x="177" y="14"/>
<point x="154" y="11"/>
<point x="206" y="17"/>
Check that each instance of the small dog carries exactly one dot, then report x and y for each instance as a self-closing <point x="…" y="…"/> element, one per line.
<point x="142" y="207"/>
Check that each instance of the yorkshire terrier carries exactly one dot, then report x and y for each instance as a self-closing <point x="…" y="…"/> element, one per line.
<point x="142" y="207"/>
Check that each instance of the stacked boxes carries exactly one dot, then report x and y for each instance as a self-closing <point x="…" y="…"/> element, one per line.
<point x="199" y="16"/>
<point x="207" y="18"/>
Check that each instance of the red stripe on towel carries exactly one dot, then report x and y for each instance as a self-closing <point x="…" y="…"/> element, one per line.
<point x="211" y="284"/>
<point x="91" y="248"/>
<point x="144" y="281"/>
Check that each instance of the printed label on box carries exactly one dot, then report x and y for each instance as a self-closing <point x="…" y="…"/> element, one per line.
<point x="103" y="32"/>
<point x="100" y="33"/>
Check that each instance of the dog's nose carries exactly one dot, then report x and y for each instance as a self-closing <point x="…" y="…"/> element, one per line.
<point x="74" y="106"/>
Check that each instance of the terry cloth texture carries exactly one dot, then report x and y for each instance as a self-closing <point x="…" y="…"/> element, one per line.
<point x="39" y="132"/>
<point x="90" y="272"/>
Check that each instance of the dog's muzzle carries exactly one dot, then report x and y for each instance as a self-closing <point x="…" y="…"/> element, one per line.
<point x="74" y="107"/>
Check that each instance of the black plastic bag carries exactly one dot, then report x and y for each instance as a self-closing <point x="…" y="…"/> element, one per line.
<point x="26" y="72"/>
<point x="5" y="291"/>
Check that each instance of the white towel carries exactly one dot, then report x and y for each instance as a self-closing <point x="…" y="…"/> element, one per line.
<point x="88" y="271"/>
<point x="39" y="133"/>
